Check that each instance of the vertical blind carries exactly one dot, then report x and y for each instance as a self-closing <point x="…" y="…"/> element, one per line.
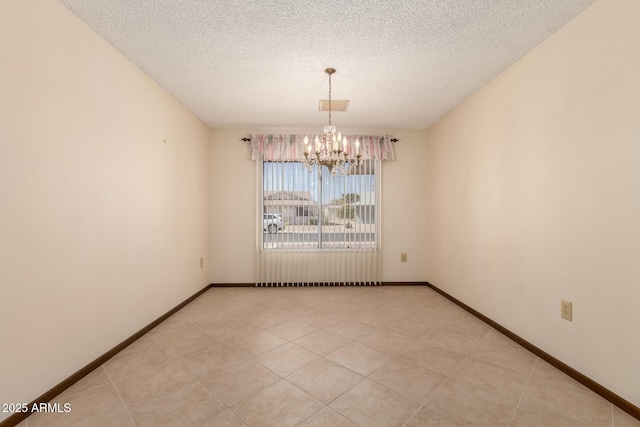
<point x="315" y="228"/>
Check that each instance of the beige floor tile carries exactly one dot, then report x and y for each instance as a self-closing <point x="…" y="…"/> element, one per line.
<point x="224" y="418"/>
<point x="211" y="360"/>
<point x="286" y="359"/>
<point x="405" y="326"/>
<point x="451" y="340"/>
<point x="529" y="417"/>
<point x="97" y="407"/>
<point x="194" y="310"/>
<point x="232" y="329"/>
<point x="516" y="358"/>
<point x="546" y="396"/>
<point x="173" y="327"/>
<point x="359" y="358"/>
<point x="327" y="418"/>
<point x="469" y="405"/>
<point x="130" y="361"/>
<point x="500" y="381"/>
<point x="293" y="329"/>
<point x="185" y="405"/>
<point x="343" y="308"/>
<point x="152" y="384"/>
<point x="399" y="308"/>
<point x="297" y="309"/>
<point x="497" y="338"/>
<point x="325" y="380"/>
<point x="387" y="341"/>
<point x="322" y="319"/>
<point x="241" y="381"/>
<point x="428" y="417"/>
<point x="238" y="310"/>
<point x="622" y="419"/>
<point x="281" y="404"/>
<point x="371" y="404"/>
<point x="212" y="319"/>
<point x="183" y="345"/>
<point x="550" y="373"/>
<point x="433" y="358"/>
<point x="322" y="342"/>
<point x="96" y="378"/>
<point x="255" y="344"/>
<point x="417" y="302"/>
<point x="433" y="317"/>
<point x="469" y="324"/>
<point x="408" y="378"/>
<point x="375" y="317"/>
<point x="352" y="329"/>
<point x="362" y="303"/>
<point x="208" y="297"/>
<point x="267" y="318"/>
<point x="277" y="303"/>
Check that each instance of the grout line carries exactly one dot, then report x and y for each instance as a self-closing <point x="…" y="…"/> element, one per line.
<point x="119" y="395"/>
<point x="611" y="422"/>
<point x="312" y="415"/>
<point x="438" y="388"/>
<point x="526" y="384"/>
<point x="194" y="377"/>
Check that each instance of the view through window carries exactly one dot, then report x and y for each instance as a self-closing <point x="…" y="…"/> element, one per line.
<point x="315" y="210"/>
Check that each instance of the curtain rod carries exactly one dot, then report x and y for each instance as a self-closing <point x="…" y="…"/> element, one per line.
<point x="249" y="139"/>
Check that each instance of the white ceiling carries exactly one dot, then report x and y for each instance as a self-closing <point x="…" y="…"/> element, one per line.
<point x="258" y="63"/>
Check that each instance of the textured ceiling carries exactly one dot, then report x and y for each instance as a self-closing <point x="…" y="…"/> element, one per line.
<point x="258" y="63"/>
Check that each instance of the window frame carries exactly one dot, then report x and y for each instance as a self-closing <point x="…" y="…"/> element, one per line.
<point x="344" y="234"/>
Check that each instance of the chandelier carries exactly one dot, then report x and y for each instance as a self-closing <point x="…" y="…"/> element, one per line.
<point x="331" y="150"/>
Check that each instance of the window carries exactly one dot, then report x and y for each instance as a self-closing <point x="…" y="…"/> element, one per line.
<point x="316" y="210"/>
<point x="329" y="232"/>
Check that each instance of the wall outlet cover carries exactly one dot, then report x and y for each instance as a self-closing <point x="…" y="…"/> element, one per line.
<point x="566" y="310"/>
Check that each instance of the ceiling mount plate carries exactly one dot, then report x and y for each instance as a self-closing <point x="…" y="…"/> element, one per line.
<point x="336" y="105"/>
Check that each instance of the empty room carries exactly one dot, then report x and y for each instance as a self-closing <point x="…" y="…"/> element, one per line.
<point x="330" y="213"/>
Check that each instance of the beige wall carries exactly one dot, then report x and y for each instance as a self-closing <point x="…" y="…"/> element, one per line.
<point x="533" y="190"/>
<point x="102" y="223"/>
<point x="233" y="205"/>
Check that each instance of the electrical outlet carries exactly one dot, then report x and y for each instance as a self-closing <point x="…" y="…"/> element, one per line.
<point x="566" y="310"/>
<point x="403" y="257"/>
<point x="201" y="262"/>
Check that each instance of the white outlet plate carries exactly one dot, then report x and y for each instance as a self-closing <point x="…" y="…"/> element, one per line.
<point x="566" y="310"/>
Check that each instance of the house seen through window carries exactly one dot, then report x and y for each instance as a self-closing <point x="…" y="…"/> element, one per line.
<point x="315" y="210"/>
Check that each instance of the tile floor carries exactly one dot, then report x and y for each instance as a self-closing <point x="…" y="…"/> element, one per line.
<point x="337" y="356"/>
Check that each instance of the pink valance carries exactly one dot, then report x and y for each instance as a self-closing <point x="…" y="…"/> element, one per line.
<point x="291" y="147"/>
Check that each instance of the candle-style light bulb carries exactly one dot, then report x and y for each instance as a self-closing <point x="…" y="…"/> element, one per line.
<point x="357" y="147"/>
<point x="317" y="141"/>
<point x="306" y="145"/>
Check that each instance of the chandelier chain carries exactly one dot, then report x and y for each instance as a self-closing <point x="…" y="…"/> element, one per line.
<point x="330" y="99"/>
